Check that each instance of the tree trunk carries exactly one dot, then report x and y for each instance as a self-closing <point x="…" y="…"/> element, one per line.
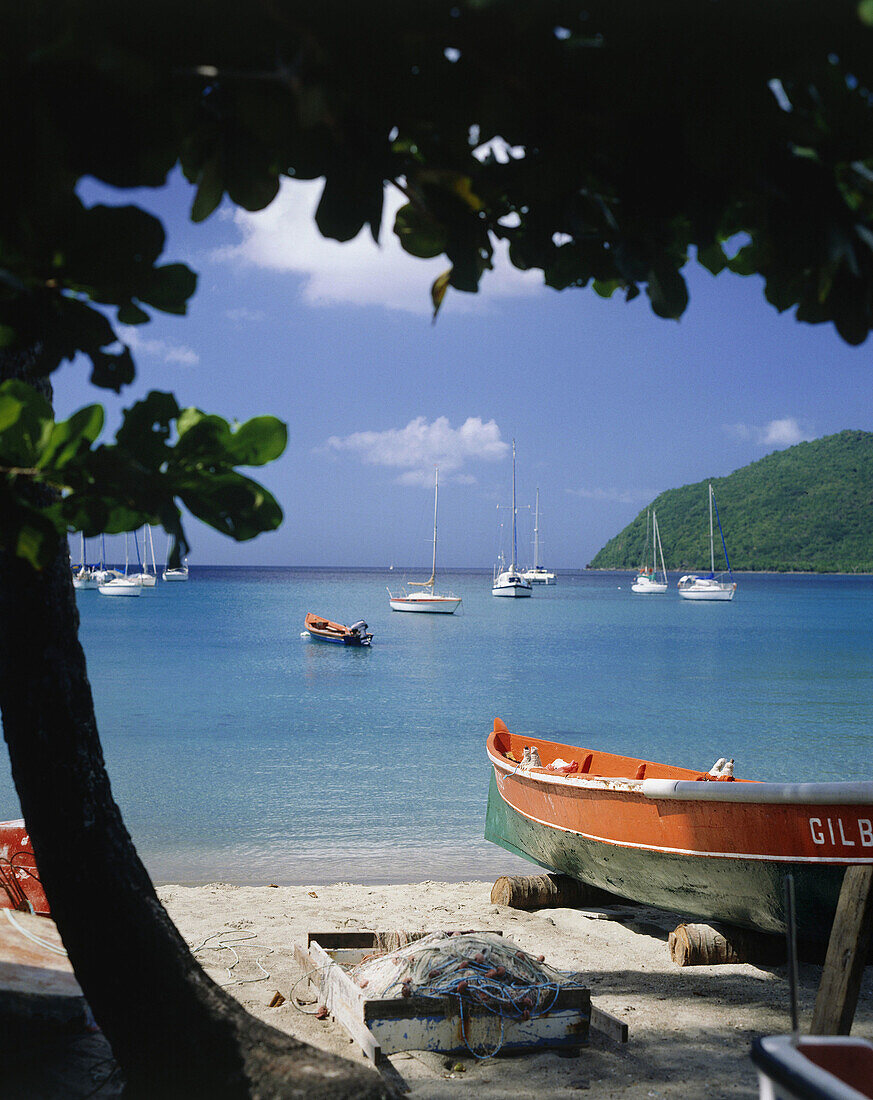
<point x="173" y="1031"/>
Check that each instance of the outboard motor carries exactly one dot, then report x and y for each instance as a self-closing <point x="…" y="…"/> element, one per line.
<point x="360" y="627"/>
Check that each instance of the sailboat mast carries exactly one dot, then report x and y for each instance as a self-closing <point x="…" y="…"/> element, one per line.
<point x="436" y="486"/>
<point x="514" y="539"/>
<point x="711" y="545"/>
<point x="537" y="532"/>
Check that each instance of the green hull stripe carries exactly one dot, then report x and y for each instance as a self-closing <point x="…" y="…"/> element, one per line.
<point x="738" y="891"/>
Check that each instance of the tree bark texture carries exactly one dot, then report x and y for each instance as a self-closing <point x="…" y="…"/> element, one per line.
<point x="173" y="1031"/>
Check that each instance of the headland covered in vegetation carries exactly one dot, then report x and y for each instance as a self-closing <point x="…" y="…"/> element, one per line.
<point x="806" y="509"/>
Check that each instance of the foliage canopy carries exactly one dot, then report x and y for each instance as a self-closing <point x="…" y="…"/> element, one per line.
<point x="606" y="143"/>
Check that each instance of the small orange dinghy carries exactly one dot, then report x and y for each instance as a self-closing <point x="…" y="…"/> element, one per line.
<point x="323" y="630"/>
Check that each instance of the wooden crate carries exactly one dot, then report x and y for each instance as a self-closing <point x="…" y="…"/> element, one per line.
<point x="389" y="1025"/>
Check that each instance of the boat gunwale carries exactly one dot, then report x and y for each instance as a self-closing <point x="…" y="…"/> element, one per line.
<point x="746" y="791"/>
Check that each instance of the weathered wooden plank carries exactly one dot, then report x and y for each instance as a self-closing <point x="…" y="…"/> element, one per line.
<point x="572" y="998"/>
<point x="357" y="938"/>
<point x="608" y="1025"/>
<point x="343" y="999"/>
<point x="480" y="1031"/>
<point x="849" y="943"/>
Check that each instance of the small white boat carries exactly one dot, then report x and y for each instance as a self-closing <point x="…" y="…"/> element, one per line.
<point x="507" y="580"/>
<point x="650" y="579"/>
<point x="121" y="586"/>
<point x="538" y="574"/>
<point x="178" y="573"/>
<point x="426" y="599"/>
<point x="714" y="586"/>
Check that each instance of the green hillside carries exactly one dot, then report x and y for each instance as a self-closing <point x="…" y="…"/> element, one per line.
<point x="807" y="509"/>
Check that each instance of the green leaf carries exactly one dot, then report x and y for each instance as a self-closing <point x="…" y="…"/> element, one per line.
<point x="170" y="288"/>
<point x="210" y="189"/>
<point x="130" y="314"/>
<point x="712" y="258"/>
<point x="232" y="504"/>
<point x="438" y="290"/>
<point x="70" y="437"/>
<point x="147" y="425"/>
<point x="348" y="202"/>
<point x="26" y="424"/>
<point x="28" y="532"/>
<point x="667" y="292"/>
<point x="257" y="442"/>
<point x="112" y="371"/>
<point x="419" y="234"/>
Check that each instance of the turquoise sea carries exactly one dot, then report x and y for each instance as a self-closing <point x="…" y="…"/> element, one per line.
<point x="240" y="751"/>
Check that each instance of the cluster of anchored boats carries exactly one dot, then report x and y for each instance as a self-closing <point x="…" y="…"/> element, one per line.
<point x="114" y="582"/>
<point x="712" y="586"/>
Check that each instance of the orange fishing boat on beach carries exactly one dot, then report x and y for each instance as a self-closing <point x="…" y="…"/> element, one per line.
<point x="701" y="844"/>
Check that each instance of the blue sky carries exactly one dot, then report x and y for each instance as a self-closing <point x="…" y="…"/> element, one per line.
<point x="608" y="404"/>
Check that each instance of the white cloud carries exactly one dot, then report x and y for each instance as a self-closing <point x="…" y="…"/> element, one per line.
<point x="784" y="432"/>
<point x="614" y="496"/>
<point x="244" y="315"/>
<point x="420" y="446"/>
<point x="284" y="238"/>
<point x="157" y="349"/>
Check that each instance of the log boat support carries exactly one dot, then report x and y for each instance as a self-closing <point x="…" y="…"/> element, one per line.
<point x="383" y="1026"/>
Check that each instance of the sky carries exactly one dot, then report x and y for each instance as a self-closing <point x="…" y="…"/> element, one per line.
<point x="608" y="405"/>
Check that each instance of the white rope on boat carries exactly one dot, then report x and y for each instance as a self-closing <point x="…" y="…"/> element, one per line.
<point x="32" y="936"/>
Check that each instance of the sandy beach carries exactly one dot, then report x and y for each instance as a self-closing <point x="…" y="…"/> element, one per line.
<point x="690" y="1029"/>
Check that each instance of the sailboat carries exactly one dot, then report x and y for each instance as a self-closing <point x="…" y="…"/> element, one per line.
<point x="144" y="577"/>
<point x="87" y="576"/>
<point x="426" y="599"/>
<point x="711" y="587"/>
<point x="178" y="572"/>
<point x="650" y="578"/>
<point x="509" y="581"/>
<point x="538" y="574"/>
<point x="120" y="584"/>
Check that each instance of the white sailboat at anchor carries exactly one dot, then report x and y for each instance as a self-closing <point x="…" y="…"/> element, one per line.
<point x="426" y="599"/>
<point x="713" y="586"/>
<point x="650" y="579"/>
<point x="508" y="580"/>
<point x="538" y="574"/>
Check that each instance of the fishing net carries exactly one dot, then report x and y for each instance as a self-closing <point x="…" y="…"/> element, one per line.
<point x="480" y="969"/>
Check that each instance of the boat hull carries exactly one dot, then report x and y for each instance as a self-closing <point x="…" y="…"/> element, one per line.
<point x="318" y="636"/>
<point x="646" y="586"/>
<point x="539" y="576"/>
<point x="511" y="585"/>
<point x="722" y="854"/>
<point x="722" y="594"/>
<point x="113" y="588"/>
<point x="437" y="605"/>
